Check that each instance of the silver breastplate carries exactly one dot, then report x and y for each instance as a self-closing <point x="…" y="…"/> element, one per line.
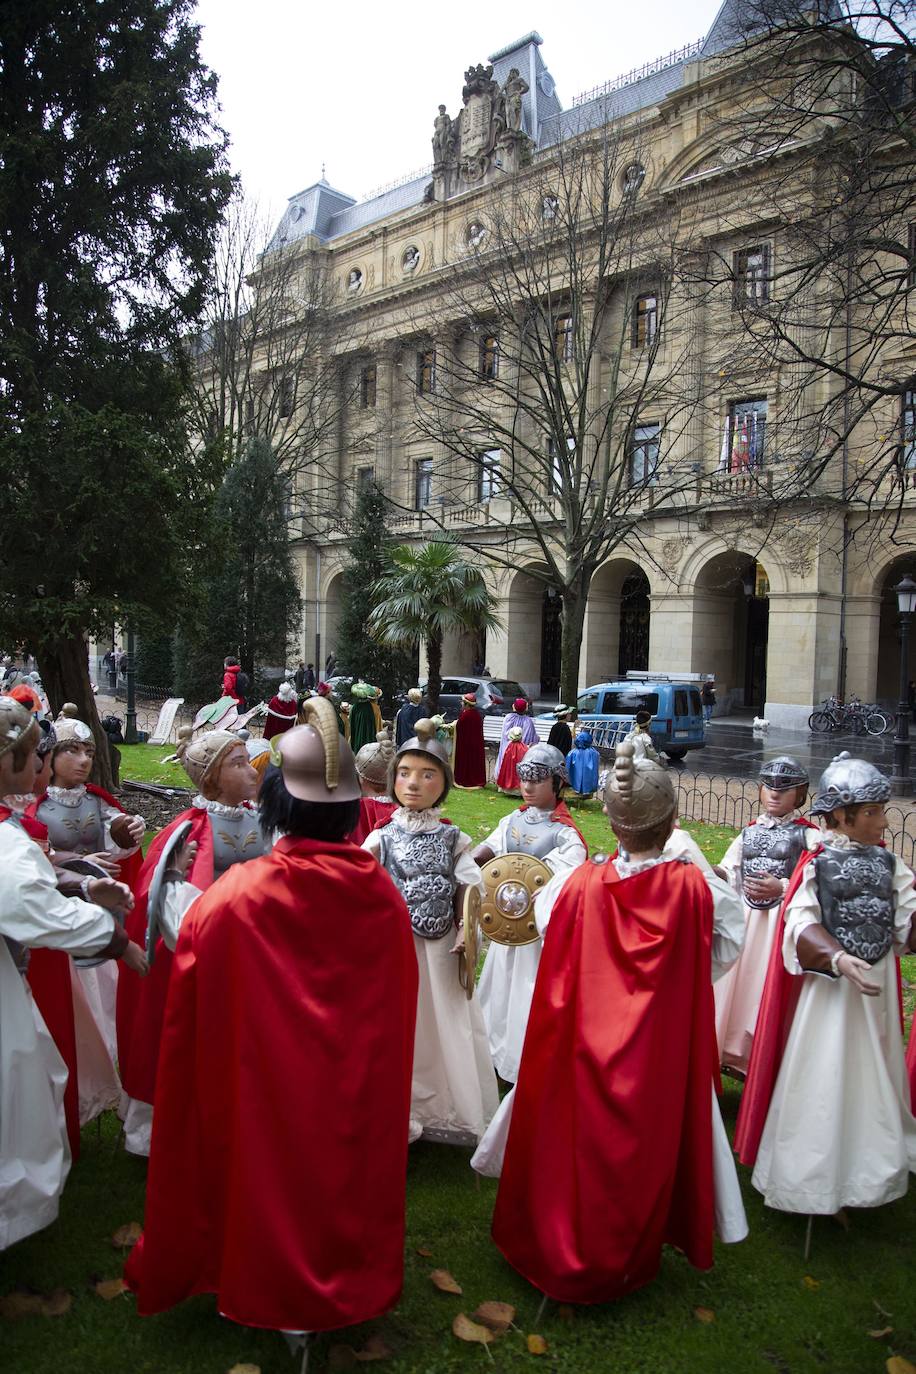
<point x="422" y="865"/>
<point x="235" y="839"/>
<point x="855" y="888"/>
<point x="770" y="851"/>
<point x="79" y="828"/>
<point x="537" y="836"/>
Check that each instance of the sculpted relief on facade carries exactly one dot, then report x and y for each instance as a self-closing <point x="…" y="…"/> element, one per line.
<point x="485" y="137"/>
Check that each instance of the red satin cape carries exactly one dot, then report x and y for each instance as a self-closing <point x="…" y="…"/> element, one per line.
<point x="507" y="773"/>
<point x="470" y="755"/>
<point x="608" y="1156"/>
<point x="141" y="1001"/>
<point x="279" y="1155"/>
<point x="372" y="814"/>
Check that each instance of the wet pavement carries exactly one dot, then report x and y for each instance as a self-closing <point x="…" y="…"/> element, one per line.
<point x="735" y="750"/>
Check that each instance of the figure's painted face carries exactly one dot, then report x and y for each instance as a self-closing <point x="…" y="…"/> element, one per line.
<point x="777" y="802"/>
<point x="73" y="763"/>
<point x="418" y="782"/>
<point x="866" y="825"/>
<point x="237" y="780"/>
<point x="539" y="794"/>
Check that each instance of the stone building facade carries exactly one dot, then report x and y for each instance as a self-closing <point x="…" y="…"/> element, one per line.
<point x="783" y="601"/>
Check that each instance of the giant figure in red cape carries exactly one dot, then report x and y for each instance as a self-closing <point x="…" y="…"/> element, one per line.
<point x="602" y="1168"/>
<point x="279" y="1153"/>
<point x="470" y="755"/>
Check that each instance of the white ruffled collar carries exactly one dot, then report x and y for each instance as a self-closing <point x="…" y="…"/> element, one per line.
<point x="626" y="866"/>
<point x="215" y="808"/>
<point x="67" y="796"/>
<point x="835" y="839"/>
<point x="416" y="822"/>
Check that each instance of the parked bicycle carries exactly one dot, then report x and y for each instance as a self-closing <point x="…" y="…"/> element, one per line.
<point x="855" y="715"/>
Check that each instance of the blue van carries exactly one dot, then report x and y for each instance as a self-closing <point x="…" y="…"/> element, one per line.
<point x="608" y="708"/>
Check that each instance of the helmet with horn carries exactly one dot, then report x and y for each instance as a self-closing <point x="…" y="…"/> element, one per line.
<point x="316" y="763"/>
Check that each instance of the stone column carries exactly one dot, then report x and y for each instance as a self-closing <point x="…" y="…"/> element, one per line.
<point x="802" y="650"/>
<point x="386" y="391"/>
<point x="601" y="638"/>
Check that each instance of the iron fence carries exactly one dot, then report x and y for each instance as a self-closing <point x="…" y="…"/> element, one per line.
<point x="733" y="802"/>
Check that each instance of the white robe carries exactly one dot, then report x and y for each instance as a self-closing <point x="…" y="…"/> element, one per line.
<point x="738" y="994"/>
<point x="508" y="976"/>
<point x="839" y="1131"/>
<point x="454" y="1093"/>
<point x="34" y="1153"/>
<point x="731" y="1221"/>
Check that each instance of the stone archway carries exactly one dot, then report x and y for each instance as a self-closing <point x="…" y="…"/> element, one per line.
<point x="887" y="661"/>
<point x="617" y="620"/>
<point x="331" y="612"/>
<point x="730" y="626"/>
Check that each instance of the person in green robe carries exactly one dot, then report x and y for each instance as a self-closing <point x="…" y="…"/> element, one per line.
<point x="364" y="715"/>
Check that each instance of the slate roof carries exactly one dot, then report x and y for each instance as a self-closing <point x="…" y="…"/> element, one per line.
<point x="327" y="213"/>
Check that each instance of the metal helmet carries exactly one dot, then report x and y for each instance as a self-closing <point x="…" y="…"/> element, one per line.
<point x="317" y="764"/>
<point x="847" y="782"/>
<point x="201" y="758"/>
<point x="374" y="760"/>
<point x="542" y="761"/>
<point x="783" y="773"/>
<point x="17" y="725"/>
<point x="638" y="793"/>
<point x="425" y="741"/>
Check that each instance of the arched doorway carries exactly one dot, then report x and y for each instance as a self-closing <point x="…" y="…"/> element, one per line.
<point x="633" y="653"/>
<point x="551" y="641"/>
<point x="730" y="629"/>
<point x="330" y="620"/>
<point x="887" y="689"/>
<point x="617" y="622"/>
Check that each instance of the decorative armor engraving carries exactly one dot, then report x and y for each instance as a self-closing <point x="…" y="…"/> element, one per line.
<point x="769" y="851"/>
<point x="422" y="865"/>
<point x="79" y="829"/>
<point x="533" y="832"/>
<point x="235" y="839"/>
<point x="855" y="888"/>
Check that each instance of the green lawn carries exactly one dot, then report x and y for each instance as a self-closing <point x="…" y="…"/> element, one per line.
<point x="762" y="1309"/>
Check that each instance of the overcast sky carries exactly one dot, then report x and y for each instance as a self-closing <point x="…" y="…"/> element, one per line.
<point x="356" y="85"/>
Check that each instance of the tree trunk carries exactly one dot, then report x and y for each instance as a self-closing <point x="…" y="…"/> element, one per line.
<point x="64" y="667"/>
<point x="434" y="681"/>
<point x="575" y="599"/>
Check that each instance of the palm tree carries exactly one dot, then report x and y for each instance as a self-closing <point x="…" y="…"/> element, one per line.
<point x="426" y="593"/>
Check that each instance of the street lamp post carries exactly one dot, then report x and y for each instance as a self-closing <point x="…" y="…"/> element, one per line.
<point x="901" y="786"/>
<point x="130" y="723"/>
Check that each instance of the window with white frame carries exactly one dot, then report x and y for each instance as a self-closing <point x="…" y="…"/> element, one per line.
<point x="644" y="451"/>
<point x="744" y="438"/>
<point x="908" y="431"/>
<point x="751" y="275"/>
<point x="488" y="474"/>
<point x="557" y="464"/>
<point x="423" y="483"/>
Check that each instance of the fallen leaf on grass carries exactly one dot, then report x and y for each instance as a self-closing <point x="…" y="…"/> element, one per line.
<point x="422" y="1250"/>
<point x="53" y="1304"/>
<point x="444" y="1281"/>
<point x="897" y="1364"/>
<point x="57" y="1302"/>
<point x="374" y="1349"/>
<point x="127" y="1235"/>
<point x="878" y="1308"/>
<point x="704" y="1314"/>
<point x="498" y="1316"/>
<point x="466" y="1330"/>
<point x="245" y="1369"/>
<point x="110" y="1288"/>
<point x="537" y="1345"/>
<point x="565" y="1312"/>
<point x="811" y="1283"/>
<point x="879" y="1335"/>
